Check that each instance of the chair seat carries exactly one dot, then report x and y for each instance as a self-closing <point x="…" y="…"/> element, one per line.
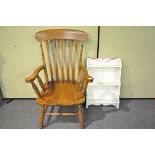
<point x="61" y="93"/>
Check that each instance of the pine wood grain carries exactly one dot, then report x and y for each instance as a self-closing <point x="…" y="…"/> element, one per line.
<point x="70" y="92"/>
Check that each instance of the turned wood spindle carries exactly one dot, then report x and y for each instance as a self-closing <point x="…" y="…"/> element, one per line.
<point x="36" y="89"/>
<point x="44" y="63"/>
<point x="40" y="83"/>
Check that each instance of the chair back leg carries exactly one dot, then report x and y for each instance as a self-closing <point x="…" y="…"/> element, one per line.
<point x="81" y="118"/>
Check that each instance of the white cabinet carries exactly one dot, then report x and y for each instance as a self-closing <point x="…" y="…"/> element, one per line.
<point x="105" y="89"/>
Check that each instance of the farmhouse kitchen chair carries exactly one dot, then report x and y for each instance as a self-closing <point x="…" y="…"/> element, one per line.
<point x="66" y="78"/>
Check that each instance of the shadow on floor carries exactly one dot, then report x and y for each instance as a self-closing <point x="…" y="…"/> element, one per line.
<point x="92" y="114"/>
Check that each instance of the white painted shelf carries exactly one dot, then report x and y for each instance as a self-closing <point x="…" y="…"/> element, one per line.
<point x="102" y="83"/>
<point x="105" y="89"/>
<point x="106" y="66"/>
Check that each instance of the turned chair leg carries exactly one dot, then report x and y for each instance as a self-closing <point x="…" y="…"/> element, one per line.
<point x="45" y="109"/>
<point x="81" y="118"/>
<point x="42" y="114"/>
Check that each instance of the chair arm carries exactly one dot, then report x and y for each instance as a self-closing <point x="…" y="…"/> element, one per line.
<point x="87" y="77"/>
<point x="84" y="81"/>
<point x="33" y="76"/>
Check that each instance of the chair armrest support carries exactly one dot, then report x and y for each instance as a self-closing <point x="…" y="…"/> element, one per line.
<point x="87" y="77"/>
<point x="84" y="81"/>
<point x="33" y="76"/>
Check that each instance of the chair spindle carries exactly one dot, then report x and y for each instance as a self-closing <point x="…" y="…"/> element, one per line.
<point x="36" y="89"/>
<point x="62" y="59"/>
<point x="74" y="59"/>
<point x="49" y="60"/>
<point x="40" y="83"/>
<point x="68" y="59"/>
<point x="44" y="63"/>
<point x="55" y="60"/>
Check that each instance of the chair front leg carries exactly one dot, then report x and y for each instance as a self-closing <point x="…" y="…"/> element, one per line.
<point x="42" y="114"/>
<point x="45" y="109"/>
<point x="81" y="118"/>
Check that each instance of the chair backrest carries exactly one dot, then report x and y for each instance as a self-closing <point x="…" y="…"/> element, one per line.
<point x="64" y="48"/>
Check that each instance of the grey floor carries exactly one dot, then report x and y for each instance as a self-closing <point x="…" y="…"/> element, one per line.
<point x="133" y="114"/>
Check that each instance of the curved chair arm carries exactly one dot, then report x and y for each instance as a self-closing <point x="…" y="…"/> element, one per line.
<point x="33" y="76"/>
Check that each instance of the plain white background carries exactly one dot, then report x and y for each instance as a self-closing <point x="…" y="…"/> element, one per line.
<point x="77" y="13"/>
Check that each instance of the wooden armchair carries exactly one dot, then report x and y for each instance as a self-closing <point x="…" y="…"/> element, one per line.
<point x="66" y="81"/>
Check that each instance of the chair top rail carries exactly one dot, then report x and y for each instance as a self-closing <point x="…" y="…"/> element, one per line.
<point x="52" y="34"/>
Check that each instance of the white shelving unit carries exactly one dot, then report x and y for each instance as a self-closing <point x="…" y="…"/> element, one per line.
<point x="105" y="89"/>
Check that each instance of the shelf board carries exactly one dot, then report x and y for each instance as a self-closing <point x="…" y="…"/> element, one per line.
<point x="91" y="101"/>
<point x="112" y="66"/>
<point x="104" y="83"/>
